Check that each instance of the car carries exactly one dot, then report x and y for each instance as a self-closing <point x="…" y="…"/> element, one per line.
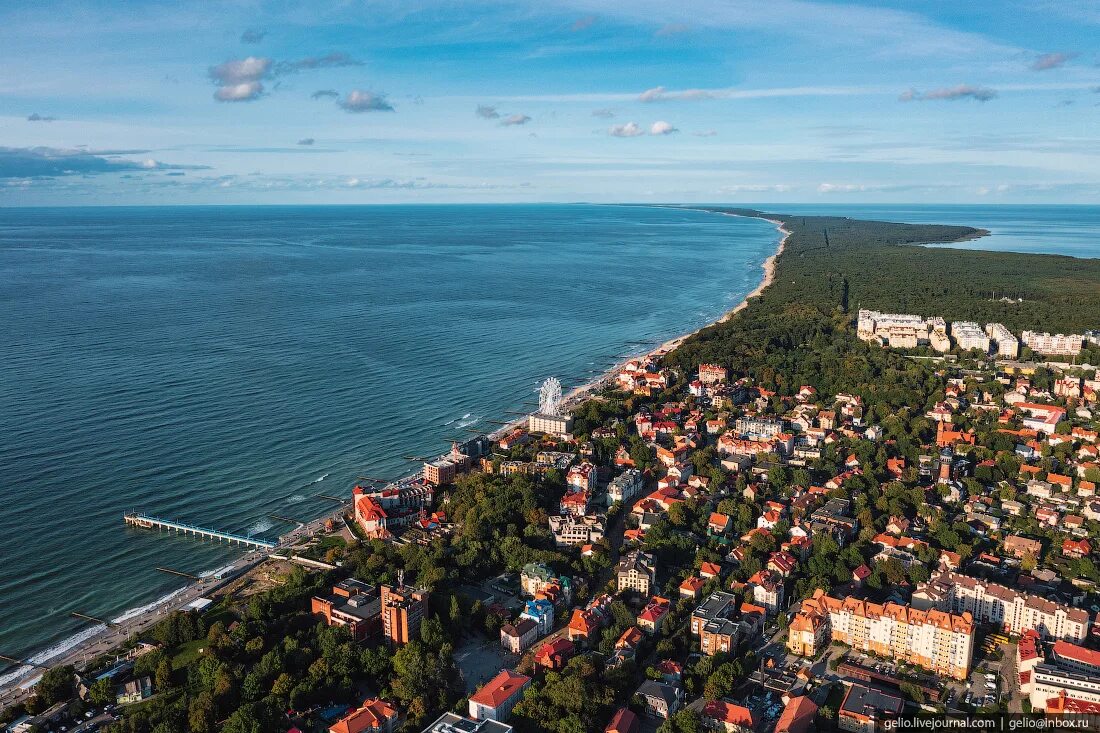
<point x="967" y="698"/>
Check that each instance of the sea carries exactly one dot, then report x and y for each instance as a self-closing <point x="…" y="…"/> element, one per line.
<point x="220" y="365"/>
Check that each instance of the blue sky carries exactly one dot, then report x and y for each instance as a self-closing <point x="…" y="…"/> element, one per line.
<point x="595" y="100"/>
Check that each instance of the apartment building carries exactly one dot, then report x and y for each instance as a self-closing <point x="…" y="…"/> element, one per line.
<point x="1058" y="343"/>
<point x="969" y="335"/>
<point x="1008" y="346"/>
<point x="1012" y="610"/>
<point x="935" y="640"/>
<point x="403" y="609"/>
<point x="625" y="486"/>
<point x="1049" y="681"/>
<point x="352" y="604"/>
<point x="637" y="572"/>
<point x="809" y="632"/>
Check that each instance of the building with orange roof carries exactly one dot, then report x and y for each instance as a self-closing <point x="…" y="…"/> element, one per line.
<point x="554" y="654"/>
<point x="809" y="633"/>
<point x="1076" y="658"/>
<point x="798" y="716"/>
<point x="692" y="587"/>
<point x="624" y="721"/>
<point x="935" y="640"/>
<point x="373" y="716"/>
<point x="654" y="613"/>
<point x="496" y="699"/>
<point x="724" y="716"/>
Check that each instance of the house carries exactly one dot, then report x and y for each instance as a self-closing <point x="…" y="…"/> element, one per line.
<point x="517" y="637"/>
<point x="767" y="590"/>
<point x="719" y="524"/>
<point x="554" y="654"/>
<point x="1021" y="547"/>
<point x="709" y="570"/>
<point x="1076" y="548"/>
<point x="373" y="716"/>
<point x="692" y="587"/>
<point x="135" y="690"/>
<point x="541" y="611"/>
<point x="866" y="709"/>
<point x="583" y="625"/>
<point x="496" y="699"/>
<point x="624" y="721"/>
<point x="653" y="614"/>
<point x="798" y="716"/>
<point x="660" y="699"/>
<point x="724" y="716"/>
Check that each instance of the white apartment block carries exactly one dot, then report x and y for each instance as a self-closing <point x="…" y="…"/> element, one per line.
<point x="969" y="335"/>
<point x="1008" y="345"/>
<point x="1058" y="343"/>
<point x="1012" y="610"/>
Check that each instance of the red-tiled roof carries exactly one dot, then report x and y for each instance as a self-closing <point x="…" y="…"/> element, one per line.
<point x="499" y="689"/>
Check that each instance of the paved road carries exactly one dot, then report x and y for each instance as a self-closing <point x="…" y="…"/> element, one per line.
<point x="112" y="637"/>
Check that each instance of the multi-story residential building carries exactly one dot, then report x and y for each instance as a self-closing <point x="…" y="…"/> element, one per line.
<point x="718" y="605"/>
<point x="519" y="636"/>
<point x="1058" y="343"/>
<point x="557" y="425"/>
<point x="570" y="530"/>
<point x="1012" y="610"/>
<point x="758" y="428"/>
<point x="496" y="699"/>
<point x="582" y="476"/>
<point x="661" y="699"/>
<point x="352" y="604"/>
<point x="936" y="640"/>
<point x="866" y="709"/>
<point x="969" y="335"/>
<point x="712" y="374"/>
<point x="625" y="486"/>
<point x="767" y="590"/>
<point x="719" y="636"/>
<point x="637" y="572"/>
<point x="809" y="632"/>
<point x="1008" y="346"/>
<point x="719" y="715"/>
<point x="403" y="609"/>
<point x="541" y="611"/>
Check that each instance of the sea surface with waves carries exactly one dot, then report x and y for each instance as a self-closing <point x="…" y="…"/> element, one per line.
<point x="219" y="365"/>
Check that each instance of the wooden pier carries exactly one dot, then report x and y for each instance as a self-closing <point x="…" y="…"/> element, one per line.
<point x="150" y="522"/>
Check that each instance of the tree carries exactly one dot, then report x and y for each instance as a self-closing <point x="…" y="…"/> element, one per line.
<point x="163" y="677"/>
<point x="683" y="721"/>
<point x="202" y="713"/>
<point x="102" y="692"/>
<point x="56" y="685"/>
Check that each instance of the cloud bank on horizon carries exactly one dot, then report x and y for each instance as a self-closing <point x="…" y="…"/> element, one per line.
<point x="725" y="100"/>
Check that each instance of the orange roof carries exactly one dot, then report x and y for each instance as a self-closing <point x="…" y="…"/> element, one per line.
<point x="728" y="713"/>
<point x="798" y="716"/>
<point x="500" y="689"/>
<point x="371" y="715"/>
<point x="710" y="568"/>
<point x="625" y="721"/>
<point x="693" y="584"/>
<point x="1077" y="653"/>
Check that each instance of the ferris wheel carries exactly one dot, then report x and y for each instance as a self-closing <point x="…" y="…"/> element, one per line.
<point x="550" y="397"/>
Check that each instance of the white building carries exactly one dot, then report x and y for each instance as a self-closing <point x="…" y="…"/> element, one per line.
<point x="1058" y="343"/>
<point x="572" y="530"/>
<point x="1008" y="346"/>
<point x="625" y="486"/>
<point x="969" y="335"/>
<point x="1012" y="610"/>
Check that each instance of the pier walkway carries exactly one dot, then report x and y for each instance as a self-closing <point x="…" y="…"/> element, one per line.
<point x="150" y="522"/>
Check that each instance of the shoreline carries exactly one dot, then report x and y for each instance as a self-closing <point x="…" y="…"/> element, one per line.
<point x="94" y="641"/>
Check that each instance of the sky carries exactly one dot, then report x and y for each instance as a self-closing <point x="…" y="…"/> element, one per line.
<point x="117" y="102"/>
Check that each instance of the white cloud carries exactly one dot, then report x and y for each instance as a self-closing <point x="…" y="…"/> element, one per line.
<point x="243" y="92"/>
<point x="630" y="129"/>
<point x="660" y="94"/>
<point x="705" y="133"/>
<point x="604" y="113"/>
<point x="487" y="112"/>
<point x="361" y="101"/>
<point x="962" y="91"/>
<point x="238" y="80"/>
<point x="840" y="188"/>
<point x="660" y="127"/>
<point x="516" y="119"/>
<point x="239" y="71"/>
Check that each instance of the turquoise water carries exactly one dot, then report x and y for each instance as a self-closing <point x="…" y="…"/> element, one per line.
<point x="217" y="365"/>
